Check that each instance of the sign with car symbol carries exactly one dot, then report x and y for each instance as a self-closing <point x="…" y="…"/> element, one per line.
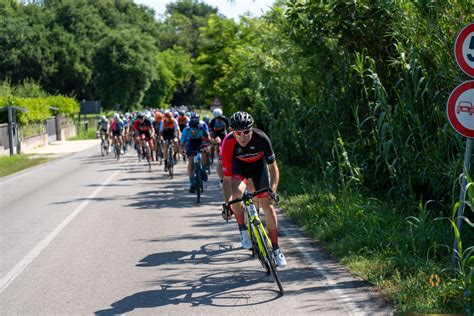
<point x="461" y="109"/>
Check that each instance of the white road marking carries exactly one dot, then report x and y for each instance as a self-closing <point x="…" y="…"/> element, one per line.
<point x="18" y="269"/>
<point x="343" y="298"/>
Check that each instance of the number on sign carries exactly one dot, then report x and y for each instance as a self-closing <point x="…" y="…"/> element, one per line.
<point x="471" y="46"/>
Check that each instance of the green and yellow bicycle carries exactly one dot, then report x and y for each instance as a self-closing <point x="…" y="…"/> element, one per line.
<point x="261" y="244"/>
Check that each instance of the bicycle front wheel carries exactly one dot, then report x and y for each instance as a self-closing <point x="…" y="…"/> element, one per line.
<point x="148" y="155"/>
<point x="268" y="256"/>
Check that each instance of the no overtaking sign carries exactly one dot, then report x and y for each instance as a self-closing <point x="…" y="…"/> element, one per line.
<point x="461" y="109"/>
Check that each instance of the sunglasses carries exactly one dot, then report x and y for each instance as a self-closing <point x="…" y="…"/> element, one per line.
<point x="240" y="133"/>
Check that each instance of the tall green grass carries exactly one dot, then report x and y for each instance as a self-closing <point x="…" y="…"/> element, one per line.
<point x="397" y="254"/>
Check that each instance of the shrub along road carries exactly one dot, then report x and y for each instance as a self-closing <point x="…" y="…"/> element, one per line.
<point x="85" y="234"/>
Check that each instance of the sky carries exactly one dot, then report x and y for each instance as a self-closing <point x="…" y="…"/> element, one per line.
<point x="229" y="9"/>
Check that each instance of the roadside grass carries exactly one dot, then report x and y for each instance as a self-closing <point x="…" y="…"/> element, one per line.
<point x="397" y="248"/>
<point x="12" y="164"/>
<point x="83" y="134"/>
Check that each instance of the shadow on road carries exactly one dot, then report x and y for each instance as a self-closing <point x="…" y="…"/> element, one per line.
<point x="224" y="288"/>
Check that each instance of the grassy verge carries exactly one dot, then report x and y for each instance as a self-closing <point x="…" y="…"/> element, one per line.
<point x="394" y="247"/>
<point x="12" y="164"/>
<point x="83" y="134"/>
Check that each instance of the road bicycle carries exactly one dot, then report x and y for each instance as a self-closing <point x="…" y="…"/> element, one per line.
<point x="158" y="150"/>
<point x="198" y="182"/>
<point x="261" y="244"/>
<point x="170" y="162"/>
<point x="104" y="147"/>
<point x="116" y="146"/>
<point x="146" y="150"/>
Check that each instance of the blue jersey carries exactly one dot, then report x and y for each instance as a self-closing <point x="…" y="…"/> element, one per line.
<point x="194" y="134"/>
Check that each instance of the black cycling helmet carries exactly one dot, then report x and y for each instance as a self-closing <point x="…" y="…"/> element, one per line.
<point x="140" y="116"/>
<point x="194" y="123"/>
<point x="241" y="121"/>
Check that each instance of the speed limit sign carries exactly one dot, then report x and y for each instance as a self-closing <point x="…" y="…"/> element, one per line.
<point x="464" y="50"/>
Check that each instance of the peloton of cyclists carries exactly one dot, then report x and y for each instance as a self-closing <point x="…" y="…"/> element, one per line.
<point x="247" y="154"/>
<point x="195" y="138"/>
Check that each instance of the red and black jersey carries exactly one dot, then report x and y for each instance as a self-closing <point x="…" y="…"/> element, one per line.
<point x="257" y="151"/>
<point x="139" y="126"/>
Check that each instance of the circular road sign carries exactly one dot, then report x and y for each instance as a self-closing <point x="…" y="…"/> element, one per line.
<point x="461" y="109"/>
<point x="464" y="50"/>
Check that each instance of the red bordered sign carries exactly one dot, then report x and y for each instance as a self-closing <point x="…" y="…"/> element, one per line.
<point x="464" y="50"/>
<point x="461" y="109"/>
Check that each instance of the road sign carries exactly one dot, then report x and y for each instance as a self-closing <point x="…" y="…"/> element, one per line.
<point x="460" y="109"/>
<point x="464" y="50"/>
<point x="216" y="102"/>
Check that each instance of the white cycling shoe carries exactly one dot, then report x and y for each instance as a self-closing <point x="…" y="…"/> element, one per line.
<point x="279" y="258"/>
<point x="245" y="240"/>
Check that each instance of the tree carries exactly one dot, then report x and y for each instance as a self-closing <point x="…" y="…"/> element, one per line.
<point x="123" y="65"/>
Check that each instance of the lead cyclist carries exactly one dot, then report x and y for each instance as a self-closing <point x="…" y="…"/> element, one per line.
<point x="247" y="153"/>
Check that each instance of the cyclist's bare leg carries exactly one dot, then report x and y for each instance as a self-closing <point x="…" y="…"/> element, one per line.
<point x="176" y="147"/>
<point x="271" y="219"/>
<point x="191" y="166"/>
<point x="238" y="189"/>
<point x="165" y="150"/>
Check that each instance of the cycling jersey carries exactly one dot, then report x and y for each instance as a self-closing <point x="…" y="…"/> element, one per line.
<point x="249" y="162"/>
<point x="195" y="139"/>
<point x="169" y="128"/>
<point x="142" y="126"/>
<point x="103" y="125"/>
<point x="183" y="122"/>
<point x="116" y="126"/>
<point x="219" y="124"/>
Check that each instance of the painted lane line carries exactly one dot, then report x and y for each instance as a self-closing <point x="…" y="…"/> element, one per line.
<point x="33" y="254"/>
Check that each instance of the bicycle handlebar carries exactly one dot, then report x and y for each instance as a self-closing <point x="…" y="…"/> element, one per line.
<point x="273" y="196"/>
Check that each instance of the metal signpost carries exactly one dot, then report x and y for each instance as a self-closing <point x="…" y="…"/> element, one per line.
<point x="11" y="124"/>
<point x="460" y="110"/>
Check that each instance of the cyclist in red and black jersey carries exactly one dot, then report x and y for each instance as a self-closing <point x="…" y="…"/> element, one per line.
<point x="247" y="153"/>
<point x="144" y="131"/>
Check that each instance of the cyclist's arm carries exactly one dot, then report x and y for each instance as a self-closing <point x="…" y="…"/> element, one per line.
<point x="227" y="188"/>
<point x="274" y="176"/>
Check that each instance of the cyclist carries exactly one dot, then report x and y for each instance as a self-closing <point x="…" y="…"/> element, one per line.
<point x="247" y="153"/>
<point x="169" y="130"/>
<point x="143" y="126"/>
<point x="183" y="120"/>
<point x="116" y="129"/>
<point x="218" y="126"/>
<point x="103" y="127"/>
<point x="195" y="137"/>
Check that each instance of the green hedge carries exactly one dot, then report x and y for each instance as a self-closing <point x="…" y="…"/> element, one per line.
<point x="39" y="108"/>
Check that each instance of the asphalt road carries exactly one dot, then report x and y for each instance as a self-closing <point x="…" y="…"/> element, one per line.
<point x="87" y="235"/>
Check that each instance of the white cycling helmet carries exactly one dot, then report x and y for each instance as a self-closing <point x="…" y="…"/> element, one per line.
<point x="217" y="112"/>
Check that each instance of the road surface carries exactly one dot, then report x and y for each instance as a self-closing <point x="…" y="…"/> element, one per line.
<point x="87" y="235"/>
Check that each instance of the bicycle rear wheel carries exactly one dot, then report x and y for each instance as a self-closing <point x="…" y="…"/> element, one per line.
<point x="103" y="150"/>
<point x="269" y="258"/>
<point x="198" y="181"/>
